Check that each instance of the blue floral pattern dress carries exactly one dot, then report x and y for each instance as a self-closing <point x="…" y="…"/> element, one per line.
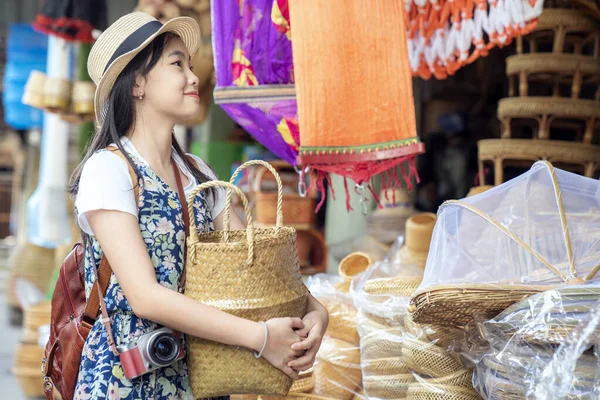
<point x="161" y="224"/>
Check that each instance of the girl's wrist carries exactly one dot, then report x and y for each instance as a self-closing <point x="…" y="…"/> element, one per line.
<point x="255" y="336"/>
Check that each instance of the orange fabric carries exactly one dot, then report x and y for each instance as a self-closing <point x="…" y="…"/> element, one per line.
<point x="353" y="79"/>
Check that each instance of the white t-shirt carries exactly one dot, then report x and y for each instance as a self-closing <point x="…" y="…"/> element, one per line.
<point x="105" y="184"/>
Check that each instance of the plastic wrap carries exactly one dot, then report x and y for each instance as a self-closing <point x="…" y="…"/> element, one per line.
<point x="530" y="234"/>
<point x="400" y="358"/>
<point x="337" y="373"/>
<point x="544" y="347"/>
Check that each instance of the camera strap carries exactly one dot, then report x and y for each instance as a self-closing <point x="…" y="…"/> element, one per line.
<point x="186" y="221"/>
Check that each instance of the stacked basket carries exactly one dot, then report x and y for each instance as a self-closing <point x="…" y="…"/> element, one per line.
<point x="553" y="109"/>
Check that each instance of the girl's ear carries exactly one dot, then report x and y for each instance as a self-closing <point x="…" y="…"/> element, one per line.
<point x="138" y="87"/>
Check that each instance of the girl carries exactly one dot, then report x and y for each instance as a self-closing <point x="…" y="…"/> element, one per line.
<point x="145" y="86"/>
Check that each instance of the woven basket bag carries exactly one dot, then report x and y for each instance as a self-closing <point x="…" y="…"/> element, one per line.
<point x="253" y="274"/>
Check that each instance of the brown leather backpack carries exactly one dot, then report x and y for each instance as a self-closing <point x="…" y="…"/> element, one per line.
<point x="72" y="317"/>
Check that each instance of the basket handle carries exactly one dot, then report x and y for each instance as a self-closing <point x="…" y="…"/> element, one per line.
<point x="279" y="220"/>
<point x="194" y="229"/>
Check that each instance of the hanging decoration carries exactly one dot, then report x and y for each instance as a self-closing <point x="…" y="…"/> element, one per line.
<point x="71" y="20"/>
<point x="255" y="72"/>
<point x="354" y="90"/>
<point x="445" y="35"/>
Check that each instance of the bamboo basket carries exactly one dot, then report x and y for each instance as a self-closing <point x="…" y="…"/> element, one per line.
<point x="253" y="274"/>
<point x="384" y="366"/>
<point x="381" y="345"/>
<point x="462" y="378"/>
<point x="352" y="265"/>
<point x="342" y="322"/>
<point x="442" y="392"/>
<point x="393" y="286"/>
<point x="27" y="364"/>
<point x="32" y="263"/>
<point x="296" y="396"/>
<point x="305" y="383"/>
<point x="57" y="94"/>
<point x="440" y="335"/>
<point x="429" y="359"/>
<point x="388" y="387"/>
<point x="34" y="89"/>
<point x="34" y="317"/>
<point x="83" y="98"/>
<point x="337" y="373"/>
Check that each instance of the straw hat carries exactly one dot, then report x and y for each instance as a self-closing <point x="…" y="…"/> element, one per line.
<point x="123" y="40"/>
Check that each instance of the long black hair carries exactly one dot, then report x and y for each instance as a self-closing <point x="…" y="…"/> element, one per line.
<point x="120" y="112"/>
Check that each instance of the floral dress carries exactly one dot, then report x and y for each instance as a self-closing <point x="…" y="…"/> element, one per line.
<point x="161" y="224"/>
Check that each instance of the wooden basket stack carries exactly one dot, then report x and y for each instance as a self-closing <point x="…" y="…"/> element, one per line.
<point x="553" y="112"/>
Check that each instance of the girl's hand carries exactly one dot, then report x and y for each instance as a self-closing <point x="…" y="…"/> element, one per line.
<point x="282" y="335"/>
<point x="315" y="324"/>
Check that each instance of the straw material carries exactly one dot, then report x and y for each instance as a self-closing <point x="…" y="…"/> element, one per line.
<point x="342" y="321"/>
<point x="107" y="44"/>
<point x="32" y="263"/>
<point x="388" y="387"/>
<point x="403" y="286"/>
<point x="252" y="274"/>
<point x="337" y="372"/>
<point x="461" y="378"/>
<point x="384" y="366"/>
<point x="303" y="385"/>
<point x="442" y="392"/>
<point x="296" y="396"/>
<point x="457" y="304"/>
<point x="429" y="359"/>
<point x="382" y="344"/>
<point x="34" y="89"/>
<point x="351" y="266"/>
<point x="34" y="317"/>
<point x="57" y="94"/>
<point x="440" y="335"/>
<point x="83" y="97"/>
<point x="30" y="380"/>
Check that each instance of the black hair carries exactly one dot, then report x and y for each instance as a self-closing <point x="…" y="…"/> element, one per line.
<point x="120" y="112"/>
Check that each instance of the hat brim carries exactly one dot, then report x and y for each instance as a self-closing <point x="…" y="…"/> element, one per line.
<point x="184" y="27"/>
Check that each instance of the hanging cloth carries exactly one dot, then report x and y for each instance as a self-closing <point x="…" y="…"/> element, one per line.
<point x="255" y="72"/>
<point x="72" y="20"/>
<point x="354" y="91"/>
<point x="445" y="35"/>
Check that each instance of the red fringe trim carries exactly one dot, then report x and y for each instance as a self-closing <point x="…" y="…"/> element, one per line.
<point x="74" y="30"/>
<point x="363" y="173"/>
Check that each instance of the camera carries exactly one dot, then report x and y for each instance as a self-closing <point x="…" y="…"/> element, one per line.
<point x="151" y="351"/>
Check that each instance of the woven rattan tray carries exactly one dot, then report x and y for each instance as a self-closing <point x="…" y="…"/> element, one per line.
<point x="457" y="304"/>
<point x="502" y="152"/>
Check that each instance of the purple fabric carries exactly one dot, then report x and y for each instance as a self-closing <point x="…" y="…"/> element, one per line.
<point x="267" y="60"/>
<point x="261" y="120"/>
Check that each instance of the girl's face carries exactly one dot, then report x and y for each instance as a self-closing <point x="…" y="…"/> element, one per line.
<point x="171" y="88"/>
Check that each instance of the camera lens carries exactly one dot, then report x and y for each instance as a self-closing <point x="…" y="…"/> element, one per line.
<point x="165" y="349"/>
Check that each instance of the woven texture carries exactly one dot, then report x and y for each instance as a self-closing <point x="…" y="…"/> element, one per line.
<point x="429" y="359"/>
<point x="442" y="393"/>
<point x="253" y="274"/>
<point x="388" y="387"/>
<point x="337" y="371"/>
<point x="384" y="366"/>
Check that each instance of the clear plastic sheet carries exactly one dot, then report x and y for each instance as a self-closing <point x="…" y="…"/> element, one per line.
<point x="337" y="373"/>
<point x="544" y="347"/>
<point x="467" y="248"/>
<point x="400" y="358"/>
<point x="533" y="233"/>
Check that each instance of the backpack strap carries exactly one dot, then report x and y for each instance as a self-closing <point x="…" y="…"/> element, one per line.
<point x="95" y="302"/>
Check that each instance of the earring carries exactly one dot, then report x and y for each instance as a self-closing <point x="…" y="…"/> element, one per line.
<point x="141" y="95"/>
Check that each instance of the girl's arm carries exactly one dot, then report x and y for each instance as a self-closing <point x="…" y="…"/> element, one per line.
<point x="119" y="236"/>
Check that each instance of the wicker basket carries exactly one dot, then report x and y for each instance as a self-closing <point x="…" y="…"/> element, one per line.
<point x="440" y="335"/>
<point x="27" y="364"/>
<point x="352" y="265"/>
<point x="461" y="378"/>
<point x="382" y="344"/>
<point x="384" y="366"/>
<point x="429" y="359"/>
<point x="83" y="98"/>
<point x="252" y="274"/>
<point x="442" y="392"/>
<point x="32" y="263"/>
<point x="388" y="387"/>
<point x="299" y="211"/>
<point x="337" y="371"/>
<point x="392" y="286"/>
<point x="34" y="89"/>
<point x="342" y="321"/>
<point x="34" y="317"/>
<point x="296" y="396"/>
<point x="57" y="94"/>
